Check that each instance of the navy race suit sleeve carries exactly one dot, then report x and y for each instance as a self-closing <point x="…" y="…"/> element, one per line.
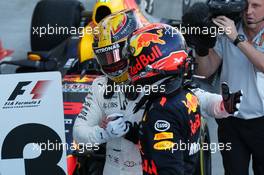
<point x="169" y="134"/>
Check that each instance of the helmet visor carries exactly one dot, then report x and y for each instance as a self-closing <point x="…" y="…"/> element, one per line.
<point x="115" y="69"/>
<point x="110" y="54"/>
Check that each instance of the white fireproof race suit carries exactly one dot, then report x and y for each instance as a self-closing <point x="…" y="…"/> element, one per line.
<point x="123" y="156"/>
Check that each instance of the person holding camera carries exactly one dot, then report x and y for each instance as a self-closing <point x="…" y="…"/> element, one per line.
<point x="241" y="52"/>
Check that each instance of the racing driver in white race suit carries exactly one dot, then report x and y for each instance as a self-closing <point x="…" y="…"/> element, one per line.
<point x="107" y="111"/>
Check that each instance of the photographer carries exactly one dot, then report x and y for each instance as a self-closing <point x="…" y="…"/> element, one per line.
<point x="241" y="52"/>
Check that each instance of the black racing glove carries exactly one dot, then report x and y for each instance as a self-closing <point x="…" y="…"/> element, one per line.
<point x="197" y="17"/>
<point x="133" y="133"/>
<point x="203" y="43"/>
<point x="231" y="100"/>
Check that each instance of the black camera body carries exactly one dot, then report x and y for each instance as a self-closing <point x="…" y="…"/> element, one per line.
<point x="229" y="8"/>
<point x="201" y="14"/>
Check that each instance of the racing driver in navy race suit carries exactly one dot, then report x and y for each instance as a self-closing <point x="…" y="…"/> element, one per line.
<point x="170" y="129"/>
<point x="107" y="113"/>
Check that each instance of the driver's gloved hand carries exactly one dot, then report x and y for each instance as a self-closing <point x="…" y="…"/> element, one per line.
<point x="231" y="100"/>
<point x="133" y="133"/>
<point x="117" y="127"/>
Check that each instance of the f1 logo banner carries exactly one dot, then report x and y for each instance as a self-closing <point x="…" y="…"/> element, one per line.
<point x="36" y="91"/>
<point x="32" y="124"/>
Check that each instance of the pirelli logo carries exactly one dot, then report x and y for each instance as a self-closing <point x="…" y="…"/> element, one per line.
<point x="163" y="136"/>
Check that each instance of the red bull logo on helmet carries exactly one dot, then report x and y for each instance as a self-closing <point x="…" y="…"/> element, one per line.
<point x="143" y="60"/>
<point x="144" y="40"/>
<point x="172" y="62"/>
